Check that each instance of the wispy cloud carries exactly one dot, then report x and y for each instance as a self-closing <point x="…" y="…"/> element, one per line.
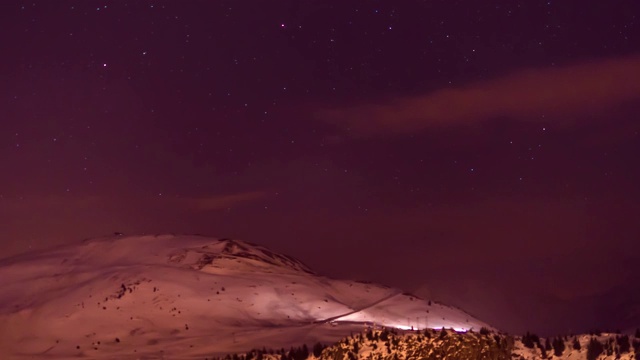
<point x="561" y="94"/>
<point x="35" y="203"/>
<point x="223" y="201"/>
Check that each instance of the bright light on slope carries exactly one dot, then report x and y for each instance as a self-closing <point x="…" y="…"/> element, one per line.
<point x="406" y="327"/>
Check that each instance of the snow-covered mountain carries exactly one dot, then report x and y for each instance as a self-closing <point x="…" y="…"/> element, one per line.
<point x="188" y="297"/>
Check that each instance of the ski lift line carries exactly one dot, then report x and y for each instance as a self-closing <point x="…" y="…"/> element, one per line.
<point x="333" y="318"/>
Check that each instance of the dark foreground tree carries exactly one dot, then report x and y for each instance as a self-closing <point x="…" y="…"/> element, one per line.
<point x="608" y="347"/>
<point x="594" y="349"/>
<point x="576" y="344"/>
<point x="547" y="344"/>
<point x="543" y="352"/>
<point x="530" y="340"/>
<point x="558" y="346"/>
<point x="623" y="344"/>
<point x="317" y="349"/>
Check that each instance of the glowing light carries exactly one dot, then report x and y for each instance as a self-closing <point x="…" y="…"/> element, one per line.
<point x="403" y="327"/>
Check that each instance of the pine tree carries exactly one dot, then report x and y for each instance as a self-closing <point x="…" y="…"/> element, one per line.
<point x="623" y="344"/>
<point x="594" y="349"/>
<point x="369" y="335"/>
<point x="497" y="339"/>
<point x="536" y="339"/>
<point x="543" y="352"/>
<point x="609" y="347"/>
<point x="576" y="344"/>
<point x="384" y="335"/>
<point x="528" y="340"/>
<point x="317" y="349"/>
<point x="558" y="346"/>
<point x="547" y="344"/>
<point x="298" y="354"/>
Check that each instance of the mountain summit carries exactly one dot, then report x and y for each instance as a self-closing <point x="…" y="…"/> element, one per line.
<point x="188" y="296"/>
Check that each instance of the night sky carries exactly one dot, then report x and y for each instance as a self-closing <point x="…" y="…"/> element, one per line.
<point x="483" y="153"/>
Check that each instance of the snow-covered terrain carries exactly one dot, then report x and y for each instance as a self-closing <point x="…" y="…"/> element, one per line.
<point x="580" y="347"/>
<point x="429" y="344"/>
<point x="184" y="297"/>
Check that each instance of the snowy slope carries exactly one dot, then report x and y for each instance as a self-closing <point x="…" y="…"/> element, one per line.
<point x="187" y="297"/>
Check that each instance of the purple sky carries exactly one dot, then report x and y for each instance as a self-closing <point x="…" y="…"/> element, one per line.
<point x="479" y="152"/>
